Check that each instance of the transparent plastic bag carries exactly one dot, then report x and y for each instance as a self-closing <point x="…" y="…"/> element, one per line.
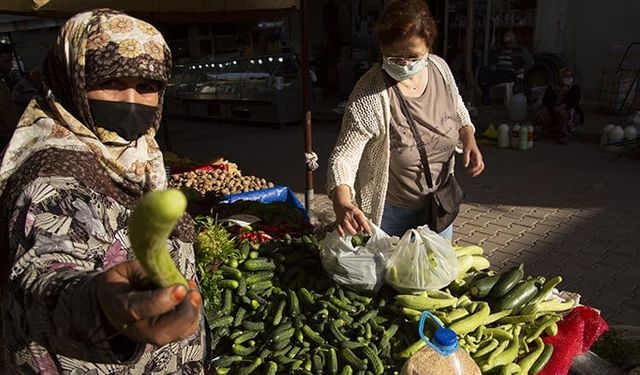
<point x="357" y="267"/>
<point x="421" y="261"/>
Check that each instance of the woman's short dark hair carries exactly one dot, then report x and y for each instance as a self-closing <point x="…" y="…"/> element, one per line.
<point x="403" y="19"/>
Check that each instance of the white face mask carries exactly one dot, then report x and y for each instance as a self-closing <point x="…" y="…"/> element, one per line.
<point x="401" y="72"/>
<point x="567" y="81"/>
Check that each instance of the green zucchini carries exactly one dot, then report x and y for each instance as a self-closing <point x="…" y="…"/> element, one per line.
<point x="508" y="281"/>
<point x="517" y="297"/>
<point x="481" y="288"/>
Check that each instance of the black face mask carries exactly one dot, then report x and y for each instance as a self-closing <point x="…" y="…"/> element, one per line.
<point x="129" y="120"/>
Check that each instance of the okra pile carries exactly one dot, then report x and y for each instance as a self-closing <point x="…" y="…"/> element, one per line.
<point x="280" y="314"/>
<point x="499" y="318"/>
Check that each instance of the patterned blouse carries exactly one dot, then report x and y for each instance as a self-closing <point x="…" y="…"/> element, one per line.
<point x="65" y="221"/>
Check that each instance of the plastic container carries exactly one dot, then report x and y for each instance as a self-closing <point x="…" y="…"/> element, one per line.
<point x="615" y="135"/>
<point x="515" y="136"/>
<point x="630" y="133"/>
<point x="604" y="139"/>
<point x="529" y="136"/>
<point x="518" y="107"/>
<point x="503" y="136"/>
<point x="442" y="355"/>
<point x="523" y="140"/>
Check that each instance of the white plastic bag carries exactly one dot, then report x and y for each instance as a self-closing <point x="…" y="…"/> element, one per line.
<point x="422" y="260"/>
<point x="360" y="268"/>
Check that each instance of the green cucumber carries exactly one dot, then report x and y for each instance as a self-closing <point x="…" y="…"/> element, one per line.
<point x="352" y="359"/>
<point x="225" y="321"/>
<point x="272" y="368"/>
<point x="277" y="318"/>
<point x="150" y="225"/>
<point x="228" y="360"/>
<point x="230" y="272"/>
<point x="240" y="313"/>
<point x="260" y="276"/>
<point x="375" y="363"/>
<point x="333" y="361"/>
<point x="313" y="335"/>
<point x="250" y="368"/>
<point x="246" y="336"/>
<point x="253" y="326"/>
<point x="260" y="264"/>
<point x="228" y="284"/>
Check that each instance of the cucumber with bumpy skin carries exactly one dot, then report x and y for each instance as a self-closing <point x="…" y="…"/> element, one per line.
<point x="150" y="225"/>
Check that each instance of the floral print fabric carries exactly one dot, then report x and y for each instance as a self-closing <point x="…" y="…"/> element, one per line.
<point x="92" y="47"/>
<point x="67" y="188"/>
<point x="62" y="231"/>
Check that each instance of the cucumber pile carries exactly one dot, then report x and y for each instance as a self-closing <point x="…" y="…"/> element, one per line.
<point x="280" y="314"/>
<point x="499" y="318"/>
<point x="271" y="309"/>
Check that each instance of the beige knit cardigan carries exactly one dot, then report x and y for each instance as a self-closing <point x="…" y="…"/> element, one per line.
<point x="360" y="158"/>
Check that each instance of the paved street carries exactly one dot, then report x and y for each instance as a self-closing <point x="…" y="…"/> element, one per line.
<point x="570" y="210"/>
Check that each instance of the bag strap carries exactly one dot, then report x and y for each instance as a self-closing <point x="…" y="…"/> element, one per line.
<point x="416" y="135"/>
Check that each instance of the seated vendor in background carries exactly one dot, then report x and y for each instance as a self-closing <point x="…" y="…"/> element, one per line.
<point x="513" y="62"/>
<point x="560" y="112"/>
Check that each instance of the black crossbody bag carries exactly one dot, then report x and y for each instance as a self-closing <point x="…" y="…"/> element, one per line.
<point x="442" y="205"/>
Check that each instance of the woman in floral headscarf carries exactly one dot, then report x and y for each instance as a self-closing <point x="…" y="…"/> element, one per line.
<point x="560" y="112"/>
<point x="73" y="299"/>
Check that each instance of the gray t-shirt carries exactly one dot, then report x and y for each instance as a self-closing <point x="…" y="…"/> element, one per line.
<point x="439" y="125"/>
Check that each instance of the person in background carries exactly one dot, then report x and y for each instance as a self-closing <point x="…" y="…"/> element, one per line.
<point x="8" y="113"/>
<point x="25" y="90"/>
<point x="513" y="62"/>
<point x="74" y="298"/>
<point x="560" y="112"/>
<point x="375" y="169"/>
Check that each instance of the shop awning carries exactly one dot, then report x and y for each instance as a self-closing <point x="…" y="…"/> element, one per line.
<point x="62" y="7"/>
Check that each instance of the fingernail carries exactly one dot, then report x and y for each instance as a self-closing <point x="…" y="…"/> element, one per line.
<point x="178" y="293"/>
<point x="192" y="285"/>
<point x="196" y="299"/>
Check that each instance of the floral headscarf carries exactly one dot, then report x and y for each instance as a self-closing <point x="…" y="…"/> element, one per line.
<point x="93" y="47"/>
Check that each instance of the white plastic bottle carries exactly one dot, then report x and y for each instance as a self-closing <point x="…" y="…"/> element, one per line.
<point x="615" y="135"/>
<point x="518" y="107"/>
<point x="441" y="355"/>
<point x="604" y="139"/>
<point x="515" y="136"/>
<point x="503" y="136"/>
<point x="630" y="133"/>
